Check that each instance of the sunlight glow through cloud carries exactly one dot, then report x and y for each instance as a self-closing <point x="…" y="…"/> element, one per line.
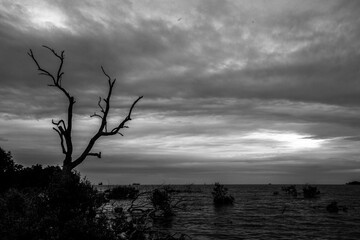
<point x="45" y="17"/>
<point x="289" y="140"/>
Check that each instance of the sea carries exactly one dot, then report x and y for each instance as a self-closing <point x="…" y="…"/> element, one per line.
<point x="264" y="212"/>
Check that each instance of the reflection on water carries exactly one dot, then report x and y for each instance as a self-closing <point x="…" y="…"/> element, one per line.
<point x="259" y="214"/>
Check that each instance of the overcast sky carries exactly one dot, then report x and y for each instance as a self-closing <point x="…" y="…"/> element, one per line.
<point x="234" y="91"/>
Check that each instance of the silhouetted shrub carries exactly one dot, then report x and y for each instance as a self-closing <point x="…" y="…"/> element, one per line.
<point x="220" y="195"/>
<point x="8" y="170"/>
<point x="71" y="196"/>
<point x="161" y="199"/>
<point x="47" y="203"/>
<point x="66" y="209"/>
<point x="290" y="190"/>
<point x="148" y="211"/>
<point x="36" y="176"/>
<point x="122" y="192"/>
<point x="332" y="207"/>
<point x="137" y="226"/>
<point x="131" y="226"/>
<point x="7" y="163"/>
<point x="353" y="183"/>
<point x="310" y="191"/>
<point x="13" y="175"/>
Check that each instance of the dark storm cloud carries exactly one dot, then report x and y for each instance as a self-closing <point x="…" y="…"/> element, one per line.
<point x="354" y="138"/>
<point x="145" y="55"/>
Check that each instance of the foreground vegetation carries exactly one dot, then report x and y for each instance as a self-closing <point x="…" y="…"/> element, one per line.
<point x="48" y="203"/>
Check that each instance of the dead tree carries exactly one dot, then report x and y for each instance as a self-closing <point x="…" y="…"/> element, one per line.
<point x="64" y="127"/>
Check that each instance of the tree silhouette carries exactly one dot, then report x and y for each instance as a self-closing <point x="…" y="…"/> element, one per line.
<point x="64" y="129"/>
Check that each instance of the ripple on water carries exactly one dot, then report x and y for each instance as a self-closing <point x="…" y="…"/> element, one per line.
<point x="258" y="214"/>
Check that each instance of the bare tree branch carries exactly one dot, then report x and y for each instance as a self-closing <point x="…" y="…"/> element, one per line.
<point x="101" y="133"/>
<point x="42" y="71"/>
<point x="109" y="79"/>
<point x="56" y="80"/>
<point x="95" y="154"/>
<point x="61" y="140"/>
<point x="61" y="57"/>
<point x="63" y="129"/>
<point x="99" y="104"/>
<point x="96" y="115"/>
<point x="122" y="124"/>
<point x="58" y="123"/>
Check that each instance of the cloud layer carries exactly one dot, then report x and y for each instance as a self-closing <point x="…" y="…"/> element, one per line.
<point x="234" y="91"/>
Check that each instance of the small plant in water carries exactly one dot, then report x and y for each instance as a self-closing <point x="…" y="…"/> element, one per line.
<point x="291" y="190"/>
<point x="333" y="207"/>
<point x="161" y="200"/>
<point x="310" y="191"/>
<point x="164" y="202"/>
<point x="221" y="196"/>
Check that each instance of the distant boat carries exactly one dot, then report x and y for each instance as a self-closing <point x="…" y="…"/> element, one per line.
<point x="136" y="184"/>
<point x="353" y="183"/>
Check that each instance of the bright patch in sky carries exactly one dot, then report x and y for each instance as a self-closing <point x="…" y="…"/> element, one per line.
<point x="288" y="140"/>
<point x="44" y="17"/>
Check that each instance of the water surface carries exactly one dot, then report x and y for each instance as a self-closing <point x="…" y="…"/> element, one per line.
<point x="259" y="214"/>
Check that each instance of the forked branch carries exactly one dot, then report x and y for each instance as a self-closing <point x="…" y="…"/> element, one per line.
<point x="102" y="131"/>
<point x="64" y="129"/>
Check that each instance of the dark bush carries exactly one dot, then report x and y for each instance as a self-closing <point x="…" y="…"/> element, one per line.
<point x="122" y="192"/>
<point x="353" y="183"/>
<point x="47" y="203"/>
<point x="310" y="191"/>
<point x="162" y="201"/>
<point x="130" y="226"/>
<point x="8" y="170"/>
<point x="36" y="176"/>
<point x="332" y="207"/>
<point x="7" y="163"/>
<point x="145" y="216"/>
<point x="13" y="175"/>
<point x="66" y="209"/>
<point x="140" y="227"/>
<point x="220" y="195"/>
<point x="290" y="190"/>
